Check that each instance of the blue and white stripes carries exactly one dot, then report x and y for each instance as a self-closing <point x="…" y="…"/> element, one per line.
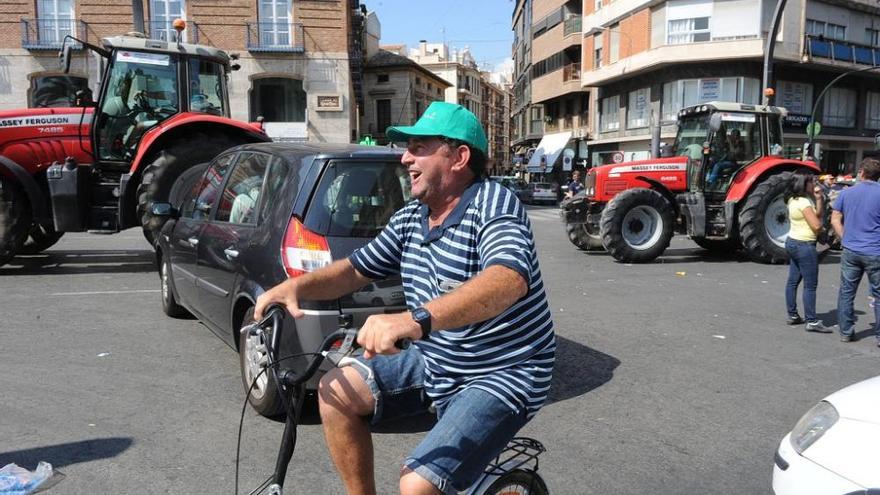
<point x="510" y="356"/>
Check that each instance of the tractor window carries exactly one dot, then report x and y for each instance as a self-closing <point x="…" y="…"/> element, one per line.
<point x="736" y="144"/>
<point x="141" y="93"/>
<point x="693" y="131"/>
<point x="206" y="81"/>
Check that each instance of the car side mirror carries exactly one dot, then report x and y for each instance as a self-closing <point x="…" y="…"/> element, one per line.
<point x="164" y="210"/>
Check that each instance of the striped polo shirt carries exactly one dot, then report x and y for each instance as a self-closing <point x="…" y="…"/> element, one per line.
<point x="510" y="356"/>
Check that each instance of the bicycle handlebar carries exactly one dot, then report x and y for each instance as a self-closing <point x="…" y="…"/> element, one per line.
<point x="348" y="336"/>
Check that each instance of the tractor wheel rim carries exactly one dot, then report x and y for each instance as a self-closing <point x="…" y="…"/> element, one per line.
<point x="256" y="357"/>
<point x="776" y="223"/>
<point x="642" y="227"/>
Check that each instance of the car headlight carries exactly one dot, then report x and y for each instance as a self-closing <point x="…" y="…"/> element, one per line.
<point x="813" y="425"/>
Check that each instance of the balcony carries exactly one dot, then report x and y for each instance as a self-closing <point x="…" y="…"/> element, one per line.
<point x="164" y="31"/>
<point x="275" y="37"/>
<point x="571" y="72"/>
<point x="48" y="33"/>
<point x="841" y="51"/>
<point x="573" y="25"/>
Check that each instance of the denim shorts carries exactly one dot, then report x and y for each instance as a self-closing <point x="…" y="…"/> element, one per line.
<point x="473" y="426"/>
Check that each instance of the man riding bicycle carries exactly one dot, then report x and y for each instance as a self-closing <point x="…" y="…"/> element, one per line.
<point x="483" y="342"/>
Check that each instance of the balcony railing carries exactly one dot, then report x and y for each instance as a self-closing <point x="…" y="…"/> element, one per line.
<point x="48" y="33"/>
<point x="842" y="51"/>
<point x="163" y="30"/>
<point x="275" y="37"/>
<point x="572" y="25"/>
<point x="571" y="72"/>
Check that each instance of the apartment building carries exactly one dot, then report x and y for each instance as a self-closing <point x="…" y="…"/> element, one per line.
<point x="396" y="89"/>
<point x="644" y="60"/>
<point x="473" y="90"/>
<point x="300" y="59"/>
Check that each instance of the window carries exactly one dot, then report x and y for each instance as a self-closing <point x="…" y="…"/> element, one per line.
<point x="638" y="109"/>
<point x="609" y="119"/>
<point x="687" y="92"/>
<point x="815" y="28"/>
<point x="55" y="20"/>
<point x="835" y="31"/>
<point x="278" y="99"/>
<point x="614" y="43"/>
<point x="199" y="202"/>
<point x="597" y="5"/>
<point x="162" y="14"/>
<point x="418" y="81"/>
<point x="839" y="107"/>
<point x="872" y="112"/>
<point x="242" y="193"/>
<point x="383" y="115"/>
<point x="872" y="37"/>
<point x="381" y="78"/>
<point x="597" y="50"/>
<point x="206" y="87"/>
<point x="55" y="91"/>
<point x="687" y="30"/>
<point x="418" y="112"/>
<point x="796" y="97"/>
<point x="274" y="22"/>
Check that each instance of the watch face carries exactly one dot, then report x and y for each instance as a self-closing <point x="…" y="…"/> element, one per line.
<point x="421" y="314"/>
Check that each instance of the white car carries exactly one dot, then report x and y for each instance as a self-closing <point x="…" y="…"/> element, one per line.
<point x="835" y="447"/>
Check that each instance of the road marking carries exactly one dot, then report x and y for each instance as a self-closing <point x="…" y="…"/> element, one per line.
<point x="138" y="291"/>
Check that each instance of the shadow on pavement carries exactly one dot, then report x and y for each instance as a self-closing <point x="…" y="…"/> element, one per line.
<point x="84" y="261"/>
<point x="65" y="454"/>
<point x="579" y="369"/>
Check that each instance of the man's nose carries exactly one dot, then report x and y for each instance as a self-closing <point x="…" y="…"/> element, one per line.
<point x="407" y="157"/>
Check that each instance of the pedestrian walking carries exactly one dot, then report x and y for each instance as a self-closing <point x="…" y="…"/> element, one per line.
<point x="856" y="220"/>
<point x="805" y="201"/>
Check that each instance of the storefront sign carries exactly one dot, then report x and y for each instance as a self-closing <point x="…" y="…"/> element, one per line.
<point x="710" y="89"/>
<point x="331" y="103"/>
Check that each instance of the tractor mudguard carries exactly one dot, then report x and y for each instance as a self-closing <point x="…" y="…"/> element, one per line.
<point x="37" y="199"/>
<point x="202" y="121"/>
<point x="747" y="177"/>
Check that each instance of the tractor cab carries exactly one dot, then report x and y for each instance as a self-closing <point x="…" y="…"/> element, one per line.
<point x="722" y="139"/>
<point x="149" y="81"/>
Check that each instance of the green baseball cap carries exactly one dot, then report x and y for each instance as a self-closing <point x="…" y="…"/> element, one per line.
<point x="444" y="119"/>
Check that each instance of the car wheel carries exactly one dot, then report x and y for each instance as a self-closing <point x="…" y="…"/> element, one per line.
<point x="253" y="357"/>
<point x="169" y="302"/>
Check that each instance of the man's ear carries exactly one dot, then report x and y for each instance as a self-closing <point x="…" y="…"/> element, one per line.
<point x="463" y="156"/>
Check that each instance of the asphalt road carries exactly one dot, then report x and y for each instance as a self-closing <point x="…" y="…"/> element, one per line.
<point x="676" y="377"/>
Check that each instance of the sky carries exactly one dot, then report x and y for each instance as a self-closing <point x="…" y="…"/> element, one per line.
<point x="481" y="25"/>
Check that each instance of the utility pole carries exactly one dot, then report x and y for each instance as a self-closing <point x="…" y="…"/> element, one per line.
<point x="770" y="45"/>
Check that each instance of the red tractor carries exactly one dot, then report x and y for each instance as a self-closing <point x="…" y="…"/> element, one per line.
<point x="725" y="183"/>
<point x="163" y="108"/>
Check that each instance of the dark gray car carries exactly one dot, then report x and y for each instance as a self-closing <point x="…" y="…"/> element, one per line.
<point x="259" y="214"/>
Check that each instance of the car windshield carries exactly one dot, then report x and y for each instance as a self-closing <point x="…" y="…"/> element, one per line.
<point x="356" y="199"/>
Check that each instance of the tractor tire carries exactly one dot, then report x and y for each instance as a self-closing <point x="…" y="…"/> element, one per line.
<point x="160" y="175"/>
<point x="15" y="219"/>
<point x="637" y="225"/>
<point x="40" y="238"/>
<point x="583" y="237"/>
<point x="717" y="246"/>
<point x="763" y="220"/>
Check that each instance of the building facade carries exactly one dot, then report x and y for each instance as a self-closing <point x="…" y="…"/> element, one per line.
<point x="396" y="89"/>
<point x="294" y="55"/>
<point x="643" y="61"/>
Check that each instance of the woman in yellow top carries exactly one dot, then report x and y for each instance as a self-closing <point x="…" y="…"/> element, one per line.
<point x="805" y="202"/>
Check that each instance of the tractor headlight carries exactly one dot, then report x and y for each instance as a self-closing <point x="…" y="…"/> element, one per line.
<point x="813" y="425"/>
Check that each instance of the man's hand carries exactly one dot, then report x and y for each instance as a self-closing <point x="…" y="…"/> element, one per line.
<point x="285" y="294"/>
<point x="381" y="332"/>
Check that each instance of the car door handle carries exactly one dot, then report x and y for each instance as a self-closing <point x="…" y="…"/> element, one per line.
<point x="193" y="241"/>
<point x="231" y="253"/>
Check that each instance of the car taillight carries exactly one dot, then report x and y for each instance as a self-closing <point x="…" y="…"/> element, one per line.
<point x="303" y="250"/>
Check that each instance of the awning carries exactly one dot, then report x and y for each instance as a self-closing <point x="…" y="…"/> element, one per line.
<point x="548" y="151"/>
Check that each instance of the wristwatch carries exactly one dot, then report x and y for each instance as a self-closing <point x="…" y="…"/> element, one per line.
<point x="423" y="317"/>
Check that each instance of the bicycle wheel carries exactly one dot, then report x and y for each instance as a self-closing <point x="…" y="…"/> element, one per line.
<point x="518" y="482"/>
